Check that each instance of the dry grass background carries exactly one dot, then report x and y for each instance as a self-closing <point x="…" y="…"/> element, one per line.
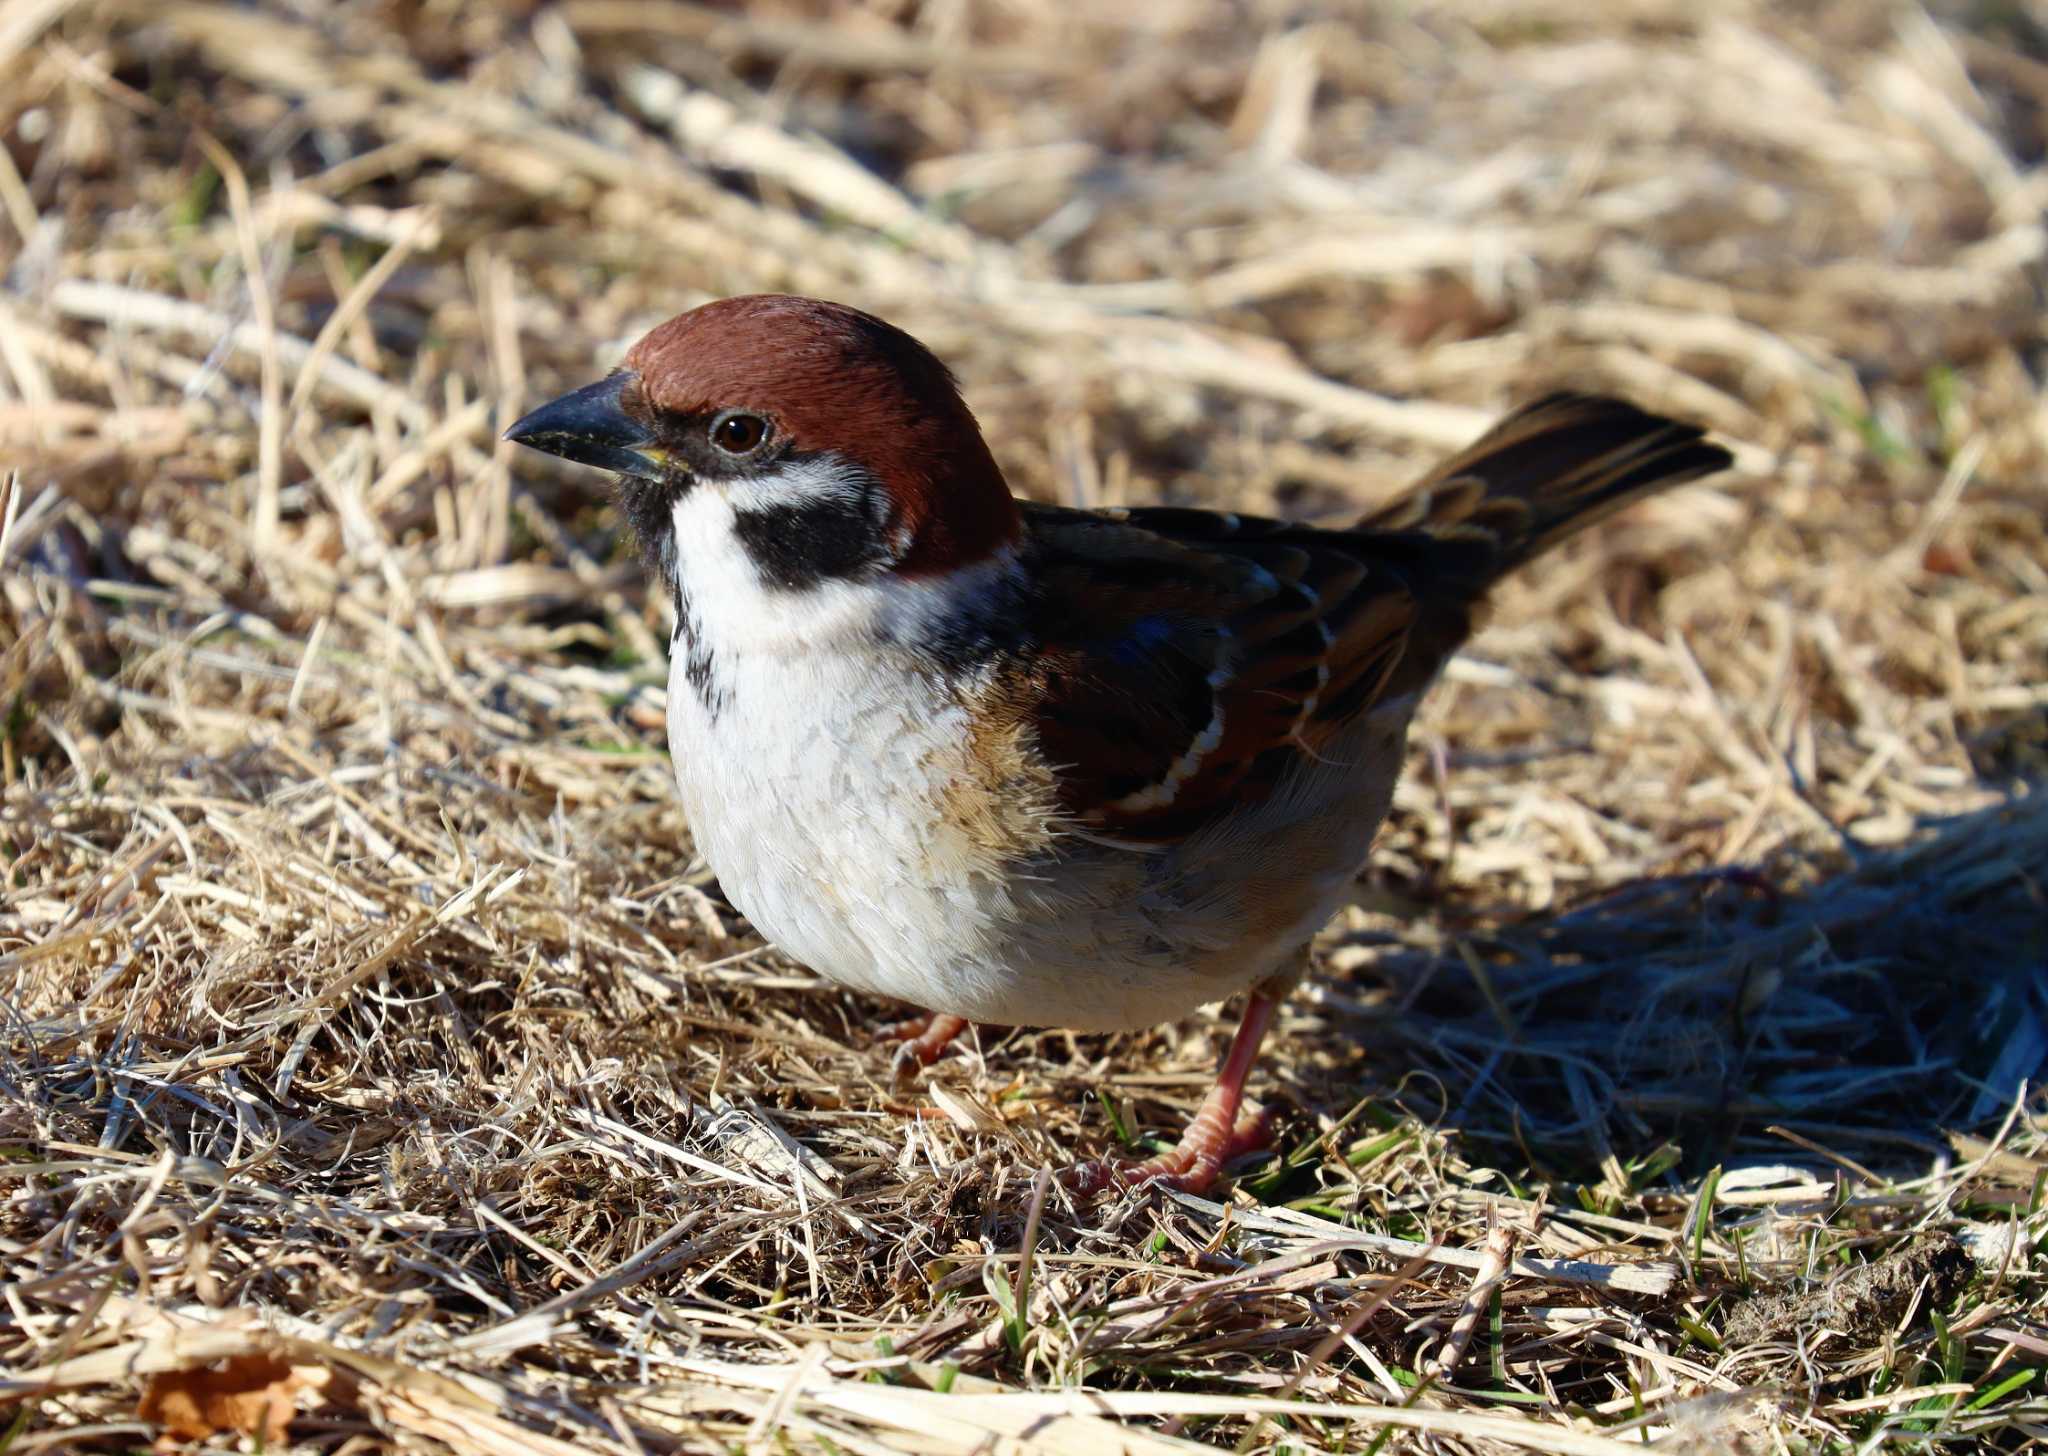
<point x="379" y="1070"/>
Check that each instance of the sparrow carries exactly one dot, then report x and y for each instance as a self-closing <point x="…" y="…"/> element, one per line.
<point x="1031" y="765"/>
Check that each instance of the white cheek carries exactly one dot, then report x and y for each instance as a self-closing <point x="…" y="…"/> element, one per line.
<point x="706" y="547"/>
<point x="731" y="605"/>
<point x="736" y="610"/>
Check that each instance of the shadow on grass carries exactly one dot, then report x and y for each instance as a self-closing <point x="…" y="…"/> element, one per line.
<point x="1871" y="1010"/>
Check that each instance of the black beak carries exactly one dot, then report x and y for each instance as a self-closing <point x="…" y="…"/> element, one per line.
<point x="588" y="426"/>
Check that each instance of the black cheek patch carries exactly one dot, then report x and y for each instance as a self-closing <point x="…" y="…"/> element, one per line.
<point x="826" y="537"/>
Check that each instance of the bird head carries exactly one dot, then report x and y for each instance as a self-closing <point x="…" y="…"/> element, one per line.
<point x="838" y="445"/>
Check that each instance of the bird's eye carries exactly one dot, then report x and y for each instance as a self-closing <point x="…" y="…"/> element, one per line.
<point x="738" y="433"/>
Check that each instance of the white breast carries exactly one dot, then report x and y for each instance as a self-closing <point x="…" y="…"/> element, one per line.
<point x="810" y="758"/>
<point x="804" y="810"/>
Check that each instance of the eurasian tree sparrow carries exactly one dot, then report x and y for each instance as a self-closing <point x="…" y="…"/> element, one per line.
<point x="1025" y="764"/>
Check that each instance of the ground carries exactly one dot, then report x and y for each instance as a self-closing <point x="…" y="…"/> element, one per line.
<point x="380" y="1069"/>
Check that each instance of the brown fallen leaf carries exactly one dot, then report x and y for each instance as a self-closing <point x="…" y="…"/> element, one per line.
<point x="254" y="1395"/>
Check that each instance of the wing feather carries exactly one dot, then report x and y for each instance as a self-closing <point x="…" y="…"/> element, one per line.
<point x="1180" y="663"/>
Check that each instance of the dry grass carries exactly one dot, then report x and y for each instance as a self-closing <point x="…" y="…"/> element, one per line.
<point x="381" y="1071"/>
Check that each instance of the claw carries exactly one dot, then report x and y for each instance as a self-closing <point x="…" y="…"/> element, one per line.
<point x="1217" y="1133"/>
<point x="923" y="1039"/>
<point x="1191" y="1166"/>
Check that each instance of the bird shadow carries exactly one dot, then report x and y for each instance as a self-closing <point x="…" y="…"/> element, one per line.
<point x="1870" y="1009"/>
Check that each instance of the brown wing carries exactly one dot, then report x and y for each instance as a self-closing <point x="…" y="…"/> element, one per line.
<point x="1180" y="663"/>
<point x="1184" y="660"/>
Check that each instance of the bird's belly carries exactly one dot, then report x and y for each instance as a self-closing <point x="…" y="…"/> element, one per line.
<point x="827" y="825"/>
<point x="831" y="828"/>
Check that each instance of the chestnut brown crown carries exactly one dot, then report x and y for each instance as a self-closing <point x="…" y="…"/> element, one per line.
<point x="826" y="379"/>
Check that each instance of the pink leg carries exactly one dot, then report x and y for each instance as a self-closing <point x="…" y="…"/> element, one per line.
<point x="922" y="1039"/>
<point x="1216" y="1135"/>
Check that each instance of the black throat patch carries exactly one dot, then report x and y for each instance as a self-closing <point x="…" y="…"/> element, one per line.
<point x="649" y="507"/>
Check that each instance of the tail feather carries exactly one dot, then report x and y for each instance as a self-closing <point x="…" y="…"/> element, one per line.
<point x="1546" y="472"/>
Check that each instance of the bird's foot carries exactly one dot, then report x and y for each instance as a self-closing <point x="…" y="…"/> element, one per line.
<point x="1191" y="1165"/>
<point x="920" y="1041"/>
<point x="1217" y="1132"/>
